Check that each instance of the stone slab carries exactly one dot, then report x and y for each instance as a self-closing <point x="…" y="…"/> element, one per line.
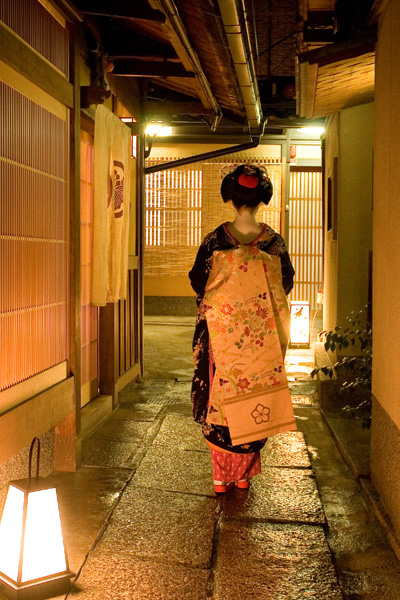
<point x="283" y="495"/>
<point x="270" y="561"/>
<point x="170" y="527"/>
<point x="85" y="498"/>
<point x="137" y="411"/>
<point x="108" y="453"/>
<point x="177" y="470"/>
<point x="286" y="450"/>
<point x="120" y="430"/>
<point x="119" y="577"/>
<point x="181" y="432"/>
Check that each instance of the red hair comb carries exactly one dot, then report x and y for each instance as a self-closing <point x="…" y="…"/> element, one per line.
<point x="249" y="181"/>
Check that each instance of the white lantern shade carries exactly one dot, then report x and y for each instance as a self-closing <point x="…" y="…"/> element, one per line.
<point x="11" y="532"/>
<point x="44" y="552"/>
<point x="299" y="323"/>
<point x="32" y="549"/>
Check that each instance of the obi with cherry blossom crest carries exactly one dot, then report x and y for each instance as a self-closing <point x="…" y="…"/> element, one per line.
<point x="248" y="321"/>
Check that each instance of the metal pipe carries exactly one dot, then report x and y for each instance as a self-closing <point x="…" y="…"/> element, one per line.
<point x="234" y="18"/>
<point x="199" y="157"/>
<point x="175" y="20"/>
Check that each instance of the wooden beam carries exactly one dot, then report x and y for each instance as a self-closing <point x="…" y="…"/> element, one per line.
<point x="123" y="45"/>
<point x="121" y="9"/>
<point x="175" y="108"/>
<point x="93" y="94"/>
<point x="29" y="63"/>
<point x="137" y="68"/>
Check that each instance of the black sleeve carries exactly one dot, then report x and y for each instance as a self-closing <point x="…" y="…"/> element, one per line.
<point x="287" y="272"/>
<point x="202" y="266"/>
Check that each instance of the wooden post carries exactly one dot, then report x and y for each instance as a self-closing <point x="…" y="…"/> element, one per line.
<point x="140" y="242"/>
<point x="66" y="441"/>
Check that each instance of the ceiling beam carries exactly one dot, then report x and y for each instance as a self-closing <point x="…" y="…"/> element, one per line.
<point x="120" y="9"/>
<point x="165" y="109"/>
<point x="144" y="68"/>
<point x="124" y="45"/>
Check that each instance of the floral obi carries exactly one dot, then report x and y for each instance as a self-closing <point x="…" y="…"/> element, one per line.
<point x="248" y="322"/>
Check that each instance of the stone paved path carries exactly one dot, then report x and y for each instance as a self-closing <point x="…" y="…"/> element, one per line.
<point x="142" y="521"/>
<point x="170" y="537"/>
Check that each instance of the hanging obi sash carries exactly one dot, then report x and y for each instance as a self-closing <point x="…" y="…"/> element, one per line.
<point x="248" y="322"/>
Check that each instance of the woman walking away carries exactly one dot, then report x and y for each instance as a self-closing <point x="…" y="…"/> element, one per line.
<point x="241" y="274"/>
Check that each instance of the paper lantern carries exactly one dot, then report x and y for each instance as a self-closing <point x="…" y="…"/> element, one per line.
<point x="300" y="324"/>
<point x="33" y="558"/>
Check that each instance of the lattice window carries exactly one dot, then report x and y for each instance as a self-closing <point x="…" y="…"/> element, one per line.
<point x="305" y="233"/>
<point x="89" y="313"/>
<point x="45" y="32"/>
<point x="183" y="205"/>
<point x="33" y="238"/>
<point x="173" y="219"/>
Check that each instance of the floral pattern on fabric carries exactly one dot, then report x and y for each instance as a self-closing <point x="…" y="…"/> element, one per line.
<point x="220" y="239"/>
<point x="248" y="322"/>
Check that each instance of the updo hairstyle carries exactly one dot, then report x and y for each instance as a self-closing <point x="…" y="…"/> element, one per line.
<point x="247" y="185"/>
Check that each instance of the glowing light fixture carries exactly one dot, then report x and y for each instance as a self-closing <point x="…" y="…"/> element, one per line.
<point x="158" y="128"/>
<point x="311" y="130"/>
<point x="300" y="324"/>
<point x="33" y="558"/>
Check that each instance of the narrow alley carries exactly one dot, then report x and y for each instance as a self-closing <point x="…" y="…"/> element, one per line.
<point x="142" y="521"/>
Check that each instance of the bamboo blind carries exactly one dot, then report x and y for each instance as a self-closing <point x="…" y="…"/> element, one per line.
<point x="33" y="238"/>
<point x="89" y="313"/>
<point x="173" y="220"/>
<point x="35" y="25"/>
<point x="184" y="204"/>
<point x="305" y="234"/>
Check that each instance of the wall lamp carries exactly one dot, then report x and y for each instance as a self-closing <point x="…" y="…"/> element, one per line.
<point x="154" y="129"/>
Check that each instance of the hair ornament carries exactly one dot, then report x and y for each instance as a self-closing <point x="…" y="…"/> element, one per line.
<point x="249" y="181"/>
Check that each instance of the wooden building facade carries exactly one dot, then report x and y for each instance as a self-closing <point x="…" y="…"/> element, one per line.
<point x="63" y="360"/>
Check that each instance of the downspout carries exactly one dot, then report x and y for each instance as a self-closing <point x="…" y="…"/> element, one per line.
<point x="172" y="13"/>
<point x="234" y="18"/>
<point x="173" y="164"/>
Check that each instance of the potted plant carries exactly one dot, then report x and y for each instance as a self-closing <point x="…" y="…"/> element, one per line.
<point x="353" y="371"/>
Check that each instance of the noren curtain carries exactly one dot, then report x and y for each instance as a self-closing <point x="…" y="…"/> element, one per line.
<point x="111" y="204"/>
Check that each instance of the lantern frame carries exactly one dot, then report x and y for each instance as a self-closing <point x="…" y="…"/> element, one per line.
<point x="53" y="584"/>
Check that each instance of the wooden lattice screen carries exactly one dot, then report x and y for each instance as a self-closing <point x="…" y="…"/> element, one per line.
<point x="184" y="204"/>
<point x="45" y="31"/>
<point x="173" y="220"/>
<point x="305" y="233"/>
<point x="89" y="313"/>
<point x="33" y="238"/>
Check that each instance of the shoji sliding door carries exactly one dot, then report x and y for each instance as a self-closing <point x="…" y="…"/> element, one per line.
<point x="305" y="232"/>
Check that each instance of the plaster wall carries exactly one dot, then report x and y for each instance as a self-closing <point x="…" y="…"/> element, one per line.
<point x="386" y="228"/>
<point x="386" y="280"/>
<point x="330" y="246"/>
<point x="348" y="243"/>
<point x="356" y="139"/>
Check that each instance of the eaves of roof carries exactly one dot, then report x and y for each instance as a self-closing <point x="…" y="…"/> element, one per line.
<point x="336" y="76"/>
